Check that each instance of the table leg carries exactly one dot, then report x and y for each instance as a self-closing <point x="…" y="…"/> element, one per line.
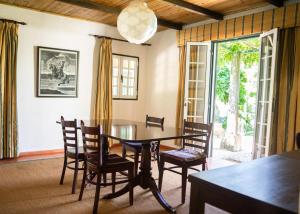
<point x="145" y="180"/>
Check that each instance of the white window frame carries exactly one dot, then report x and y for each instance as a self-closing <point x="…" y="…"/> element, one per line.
<point x="121" y="58"/>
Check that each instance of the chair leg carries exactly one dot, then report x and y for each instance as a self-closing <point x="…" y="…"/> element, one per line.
<point x="157" y="153"/>
<point x="203" y="166"/>
<point x="63" y="171"/>
<point x="161" y="173"/>
<point x="136" y="163"/>
<point x="183" y="187"/>
<point x="123" y="151"/>
<point x="130" y="177"/>
<point x="75" y="177"/>
<point x="113" y="180"/>
<point x="83" y="183"/>
<point x="104" y="179"/>
<point x="97" y="194"/>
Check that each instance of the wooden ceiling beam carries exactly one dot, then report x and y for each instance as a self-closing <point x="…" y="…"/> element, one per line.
<point x="115" y="10"/>
<point x="277" y="3"/>
<point x="197" y="9"/>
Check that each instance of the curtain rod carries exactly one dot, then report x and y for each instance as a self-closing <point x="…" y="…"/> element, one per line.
<point x="120" y="40"/>
<point x="9" y="20"/>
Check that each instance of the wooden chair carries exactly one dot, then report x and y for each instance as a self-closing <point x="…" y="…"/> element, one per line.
<point x="298" y="140"/>
<point x="192" y="153"/>
<point x="137" y="148"/>
<point x="98" y="161"/>
<point x="71" y="150"/>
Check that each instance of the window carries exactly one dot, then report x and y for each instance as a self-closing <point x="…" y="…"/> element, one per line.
<point x="125" y="77"/>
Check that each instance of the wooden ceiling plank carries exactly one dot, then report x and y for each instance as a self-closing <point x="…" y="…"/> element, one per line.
<point x="197" y="9"/>
<point x="93" y="5"/>
<point x="277" y="3"/>
<point x="116" y="10"/>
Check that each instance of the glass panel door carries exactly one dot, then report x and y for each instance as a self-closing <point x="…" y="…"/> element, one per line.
<point x="197" y="81"/>
<point x="268" y="53"/>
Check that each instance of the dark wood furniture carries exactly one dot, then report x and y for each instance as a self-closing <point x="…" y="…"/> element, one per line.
<point x="137" y="132"/>
<point x="71" y="150"/>
<point x="193" y="153"/>
<point x="137" y="148"/>
<point x="266" y="185"/>
<point x="298" y="140"/>
<point x="98" y="161"/>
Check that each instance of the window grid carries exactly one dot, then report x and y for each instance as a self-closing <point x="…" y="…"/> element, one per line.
<point x="124" y="83"/>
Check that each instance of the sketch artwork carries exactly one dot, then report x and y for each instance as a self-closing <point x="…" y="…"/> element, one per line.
<point x="57" y="72"/>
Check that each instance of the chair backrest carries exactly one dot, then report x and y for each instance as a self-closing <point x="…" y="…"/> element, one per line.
<point x="154" y="121"/>
<point x="92" y="145"/>
<point x="298" y="140"/>
<point x="69" y="130"/>
<point x="197" y="143"/>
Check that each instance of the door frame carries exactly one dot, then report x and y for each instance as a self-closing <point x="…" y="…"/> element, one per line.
<point x="207" y="106"/>
<point x="272" y="94"/>
<point x="214" y="79"/>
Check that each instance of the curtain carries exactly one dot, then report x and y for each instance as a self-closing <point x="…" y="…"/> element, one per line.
<point x="286" y="121"/>
<point x="103" y="97"/>
<point x="281" y="17"/>
<point x="8" y="102"/>
<point x="180" y="92"/>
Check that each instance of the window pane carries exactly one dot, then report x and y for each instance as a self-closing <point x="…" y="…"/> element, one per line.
<point x="115" y="91"/>
<point x="125" y="63"/>
<point x="125" y="81"/>
<point x="131" y="82"/>
<point x="115" y="62"/>
<point x="131" y="73"/>
<point x="130" y="92"/>
<point x="124" y="91"/>
<point x="115" y="81"/>
<point x="115" y="72"/>
<point x="132" y="65"/>
<point x="125" y="72"/>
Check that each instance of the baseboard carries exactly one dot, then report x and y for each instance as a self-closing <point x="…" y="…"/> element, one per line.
<point x="61" y="151"/>
<point x="43" y="152"/>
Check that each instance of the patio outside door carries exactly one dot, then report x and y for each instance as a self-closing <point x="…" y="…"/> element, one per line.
<point x="197" y="82"/>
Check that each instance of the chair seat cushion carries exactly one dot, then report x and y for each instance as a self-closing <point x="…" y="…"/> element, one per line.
<point x="113" y="161"/>
<point x="184" y="154"/>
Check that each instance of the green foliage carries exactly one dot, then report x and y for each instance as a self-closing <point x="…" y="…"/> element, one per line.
<point x="222" y="84"/>
<point x="247" y="47"/>
<point x="249" y="50"/>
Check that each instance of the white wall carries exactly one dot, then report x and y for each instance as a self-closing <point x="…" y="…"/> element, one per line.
<point x="37" y="116"/>
<point x="162" y="76"/>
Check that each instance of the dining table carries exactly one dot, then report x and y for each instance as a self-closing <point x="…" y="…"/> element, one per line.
<point x="134" y="132"/>
<point x="266" y="185"/>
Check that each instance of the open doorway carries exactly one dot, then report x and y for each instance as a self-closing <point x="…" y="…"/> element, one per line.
<point x="235" y="98"/>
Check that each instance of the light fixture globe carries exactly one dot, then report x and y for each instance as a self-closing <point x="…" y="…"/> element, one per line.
<point x="137" y="23"/>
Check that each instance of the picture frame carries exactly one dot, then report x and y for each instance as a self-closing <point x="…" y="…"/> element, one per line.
<point x="57" y="72"/>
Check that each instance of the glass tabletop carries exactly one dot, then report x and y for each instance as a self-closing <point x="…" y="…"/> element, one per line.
<point x="132" y="131"/>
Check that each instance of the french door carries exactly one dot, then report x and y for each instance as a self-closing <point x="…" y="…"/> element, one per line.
<point x="265" y="95"/>
<point x="197" y="81"/>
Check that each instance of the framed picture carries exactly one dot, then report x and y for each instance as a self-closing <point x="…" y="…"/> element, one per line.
<point x="57" y="72"/>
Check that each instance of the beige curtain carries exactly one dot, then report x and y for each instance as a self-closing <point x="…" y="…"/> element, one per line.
<point x="103" y="98"/>
<point x="8" y="102"/>
<point x="180" y="93"/>
<point x="287" y="105"/>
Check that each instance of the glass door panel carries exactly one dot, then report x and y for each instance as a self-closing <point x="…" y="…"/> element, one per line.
<point x="268" y="53"/>
<point x="197" y="81"/>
